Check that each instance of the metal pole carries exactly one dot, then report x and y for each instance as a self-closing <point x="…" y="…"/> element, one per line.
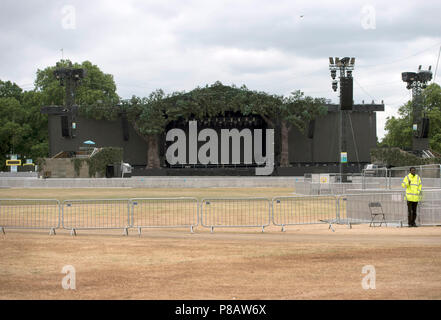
<point x="342" y="133"/>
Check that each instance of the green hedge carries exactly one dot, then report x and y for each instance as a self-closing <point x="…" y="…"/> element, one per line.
<point x="396" y="157"/>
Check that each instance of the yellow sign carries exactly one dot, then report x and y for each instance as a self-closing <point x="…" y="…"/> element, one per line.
<point x="13" y="162"/>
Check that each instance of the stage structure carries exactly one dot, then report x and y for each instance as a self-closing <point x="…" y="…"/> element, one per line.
<point x="315" y="152"/>
<point x="229" y="143"/>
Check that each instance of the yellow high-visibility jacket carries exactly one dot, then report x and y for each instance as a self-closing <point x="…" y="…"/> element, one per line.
<point x="413" y="187"/>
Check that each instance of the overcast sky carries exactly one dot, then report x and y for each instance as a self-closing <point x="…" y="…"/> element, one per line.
<point x="272" y="46"/>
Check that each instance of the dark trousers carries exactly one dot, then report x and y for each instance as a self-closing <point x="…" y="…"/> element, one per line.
<point x="412" y="212"/>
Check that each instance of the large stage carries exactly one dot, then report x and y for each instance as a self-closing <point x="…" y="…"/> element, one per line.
<point x="314" y="151"/>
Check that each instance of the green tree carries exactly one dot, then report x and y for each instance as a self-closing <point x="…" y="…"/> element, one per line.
<point x="297" y="111"/>
<point x="399" y="129"/>
<point x="148" y="118"/>
<point x="96" y="95"/>
<point x="150" y="115"/>
<point x="10" y="90"/>
<point x="17" y="128"/>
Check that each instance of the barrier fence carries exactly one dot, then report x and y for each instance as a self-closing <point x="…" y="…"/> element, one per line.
<point x="429" y="209"/>
<point x="298" y="210"/>
<point x="389" y="207"/>
<point x="29" y="214"/>
<point x="96" y="214"/>
<point x="369" y="208"/>
<point x="164" y="213"/>
<point x="236" y="212"/>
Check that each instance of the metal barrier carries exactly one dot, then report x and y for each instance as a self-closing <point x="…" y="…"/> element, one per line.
<point x="29" y="214"/>
<point x="164" y="213"/>
<point x="318" y="188"/>
<point x="300" y="210"/>
<point x="354" y="208"/>
<point x="235" y="212"/>
<point x="215" y="212"/>
<point x="429" y="208"/>
<point x="96" y="214"/>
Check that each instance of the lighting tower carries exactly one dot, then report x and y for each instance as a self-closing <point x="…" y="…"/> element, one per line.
<point x="345" y="66"/>
<point x="417" y="81"/>
<point x="70" y="78"/>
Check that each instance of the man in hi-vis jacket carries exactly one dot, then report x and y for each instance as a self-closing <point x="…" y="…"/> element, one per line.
<point x="412" y="184"/>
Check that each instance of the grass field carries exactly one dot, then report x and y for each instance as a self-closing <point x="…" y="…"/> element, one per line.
<point x="305" y="262"/>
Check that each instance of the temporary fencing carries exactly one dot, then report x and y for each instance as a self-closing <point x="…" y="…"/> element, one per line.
<point x="298" y="210"/>
<point x="333" y="184"/>
<point x="96" y="214"/>
<point x="391" y="178"/>
<point x="29" y="214"/>
<point x="388" y="207"/>
<point x="236" y="212"/>
<point x="429" y="209"/>
<point x="357" y="208"/>
<point x="164" y="213"/>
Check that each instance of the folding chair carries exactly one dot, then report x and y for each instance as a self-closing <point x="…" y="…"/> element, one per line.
<point x="376" y="210"/>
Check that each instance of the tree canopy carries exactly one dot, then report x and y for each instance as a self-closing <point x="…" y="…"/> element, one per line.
<point x="24" y="129"/>
<point x="96" y="95"/>
<point x="399" y="129"/>
<point x="153" y="113"/>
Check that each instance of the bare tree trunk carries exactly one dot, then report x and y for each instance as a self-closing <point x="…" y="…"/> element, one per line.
<point x="153" y="152"/>
<point x="284" y="153"/>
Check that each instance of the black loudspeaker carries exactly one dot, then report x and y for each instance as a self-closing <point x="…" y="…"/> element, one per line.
<point x="65" y="126"/>
<point x="346" y="93"/>
<point x="311" y="127"/>
<point x="424" y="132"/>
<point x="110" y="171"/>
<point x="125" y="127"/>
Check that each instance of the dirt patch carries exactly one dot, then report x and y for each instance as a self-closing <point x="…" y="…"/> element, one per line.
<point x="301" y="263"/>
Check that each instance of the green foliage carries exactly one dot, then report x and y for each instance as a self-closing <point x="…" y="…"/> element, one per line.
<point x="395" y="157"/>
<point x="298" y="110"/>
<point x="106" y="156"/>
<point x="23" y="129"/>
<point x="150" y="115"/>
<point x="96" y="95"/>
<point x="399" y="133"/>
<point x="78" y="163"/>
<point x="399" y="129"/>
<point x="10" y="90"/>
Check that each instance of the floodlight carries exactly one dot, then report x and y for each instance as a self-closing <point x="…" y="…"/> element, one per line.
<point x="352" y="61"/>
<point x="333" y="74"/>
<point x="337" y="62"/>
<point x="331" y="60"/>
<point x="345" y="61"/>
<point x="408" y="76"/>
<point x="334" y="85"/>
<point x="349" y="73"/>
<point x="424" y="76"/>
